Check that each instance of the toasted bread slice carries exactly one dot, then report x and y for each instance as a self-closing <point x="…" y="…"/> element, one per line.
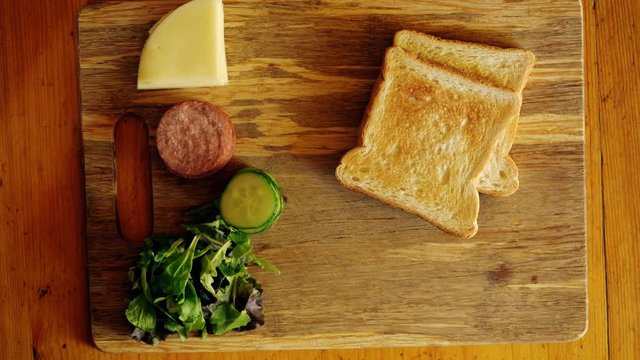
<point x="426" y="136"/>
<point x="505" y="68"/>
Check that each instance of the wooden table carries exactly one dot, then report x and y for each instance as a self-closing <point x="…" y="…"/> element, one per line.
<point x="43" y="302"/>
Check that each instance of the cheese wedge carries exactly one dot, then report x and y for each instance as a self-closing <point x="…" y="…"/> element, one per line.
<point x="186" y="49"/>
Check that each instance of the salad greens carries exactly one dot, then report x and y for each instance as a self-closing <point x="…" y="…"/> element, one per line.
<point x="180" y="285"/>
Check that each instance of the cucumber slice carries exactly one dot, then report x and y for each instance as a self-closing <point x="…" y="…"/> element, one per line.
<point x="252" y="201"/>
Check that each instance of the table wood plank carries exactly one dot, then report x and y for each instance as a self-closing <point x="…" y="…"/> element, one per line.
<point x="619" y="81"/>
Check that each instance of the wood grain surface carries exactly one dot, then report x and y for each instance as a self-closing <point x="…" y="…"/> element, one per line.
<point x="620" y="160"/>
<point x="44" y="312"/>
<point x="300" y="77"/>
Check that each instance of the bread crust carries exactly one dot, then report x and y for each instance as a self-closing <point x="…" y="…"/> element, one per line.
<point x="525" y="74"/>
<point x="397" y="205"/>
<point x="379" y="92"/>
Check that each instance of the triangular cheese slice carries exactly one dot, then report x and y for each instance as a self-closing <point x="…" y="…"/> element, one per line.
<point x="186" y="49"/>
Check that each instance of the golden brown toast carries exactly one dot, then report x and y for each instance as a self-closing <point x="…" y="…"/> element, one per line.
<point x="505" y="68"/>
<point x="427" y="135"/>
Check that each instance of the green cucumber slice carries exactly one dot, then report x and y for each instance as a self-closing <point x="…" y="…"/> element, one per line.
<point x="252" y="201"/>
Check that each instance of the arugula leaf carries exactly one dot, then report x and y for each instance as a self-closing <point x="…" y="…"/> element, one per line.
<point x="141" y="314"/>
<point x="231" y="267"/>
<point x="202" y="251"/>
<point x="174" y="327"/>
<point x="146" y="256"/>
<point x="173" y="279"/>
<point x="226" y="317"/>
<point x="209" y="264"/>
<point x="163" y="254"/>
<point x="209" y="231"/>
<point x="242" y="250"/>
<point x="190" y="309"/>
<point x="154" y="245"/>
<point x="238" y="237"/>
<point x="133" y="278"/>
<point x="264" y="264"/>
<point x="145" y="284"/>
<point x="146" y="291"/>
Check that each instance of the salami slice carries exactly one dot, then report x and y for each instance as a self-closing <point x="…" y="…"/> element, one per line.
<point x="195" y="139"/>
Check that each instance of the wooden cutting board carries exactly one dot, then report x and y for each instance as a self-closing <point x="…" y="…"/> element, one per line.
<point x="355" y="273"/>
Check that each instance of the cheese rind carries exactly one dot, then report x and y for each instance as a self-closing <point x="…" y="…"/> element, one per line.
<point x="186" y="49"/>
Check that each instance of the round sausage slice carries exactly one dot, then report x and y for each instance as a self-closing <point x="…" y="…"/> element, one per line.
<point x="195" y="139"/>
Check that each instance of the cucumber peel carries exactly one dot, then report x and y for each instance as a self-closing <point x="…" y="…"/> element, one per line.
<point x="252" y="201"/>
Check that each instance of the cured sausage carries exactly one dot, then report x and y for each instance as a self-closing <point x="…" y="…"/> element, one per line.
<point x="195" y="139"/>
